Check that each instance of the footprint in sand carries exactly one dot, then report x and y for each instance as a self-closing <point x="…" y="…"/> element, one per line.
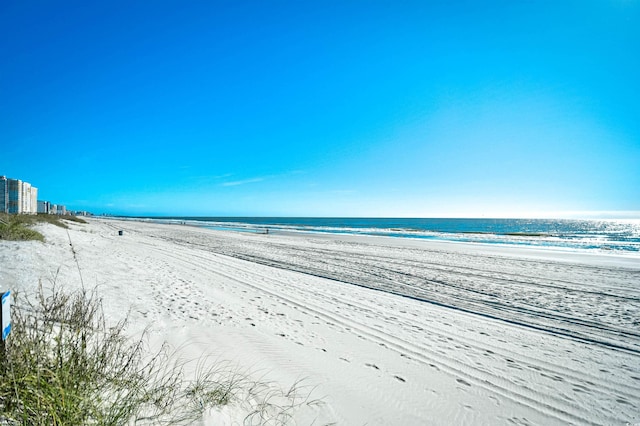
<point x="463" y="382"/>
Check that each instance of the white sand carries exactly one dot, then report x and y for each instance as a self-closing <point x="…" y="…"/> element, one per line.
<point x="489" y="335"/>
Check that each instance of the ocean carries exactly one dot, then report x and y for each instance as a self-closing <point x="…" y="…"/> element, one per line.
<point x="621" y="236"/>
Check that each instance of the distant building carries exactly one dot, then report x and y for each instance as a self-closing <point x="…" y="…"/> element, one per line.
<point x="4" y="194"/>
<point x="57" y="209"/>
<point x="44" y="206"/>
<point x="14" y="205"/>
<point x="18" y="197"/>
<point x="29" y="198"/>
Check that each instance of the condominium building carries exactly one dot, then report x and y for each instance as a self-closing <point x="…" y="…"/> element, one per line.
<point x="4" y="194"/>
<point x="15" y="196"/>
<point x="18" y="197"/>
<point x="44" y="207"/>
<point x="57" y="209"/>
<point x="29" y="198"/>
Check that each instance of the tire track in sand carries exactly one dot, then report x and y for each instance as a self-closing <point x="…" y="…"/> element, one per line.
<point x="467" y="373"/>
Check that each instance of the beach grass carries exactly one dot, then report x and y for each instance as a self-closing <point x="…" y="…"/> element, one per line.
<point x="13" y="230"/>
<point x="18" y="227"/>
<point x="65" y="364"/>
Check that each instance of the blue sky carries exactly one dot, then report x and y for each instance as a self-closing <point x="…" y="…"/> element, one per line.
<point x="326" y="108"/>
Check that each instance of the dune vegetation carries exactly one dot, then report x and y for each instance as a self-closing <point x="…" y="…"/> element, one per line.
<point x="18" y="227"/>
<point x="64" y="364"/>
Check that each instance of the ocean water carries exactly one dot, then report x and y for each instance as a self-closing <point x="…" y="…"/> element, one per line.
<point x="595" y="235"/>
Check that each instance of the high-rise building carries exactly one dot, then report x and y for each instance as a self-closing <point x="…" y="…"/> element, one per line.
<point x="18" y="197"/>
<point x="29" y="198"/>
<point x="34" y="200"/>
<point x="15" y="196"/>
<point x="4" y="194"/>
<point x="44" y="207"/>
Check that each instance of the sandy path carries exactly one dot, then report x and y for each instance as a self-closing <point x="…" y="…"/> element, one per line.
<point x="460" y="334"/>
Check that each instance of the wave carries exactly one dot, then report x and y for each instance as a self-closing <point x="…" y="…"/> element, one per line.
<point x="609" y="236"/>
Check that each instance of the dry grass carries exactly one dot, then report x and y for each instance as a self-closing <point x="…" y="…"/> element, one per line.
<point x="64" y="364"/>
<point x="18" y="227"/>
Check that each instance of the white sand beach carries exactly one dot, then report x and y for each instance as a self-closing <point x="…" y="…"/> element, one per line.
<point x="382" y="331"/>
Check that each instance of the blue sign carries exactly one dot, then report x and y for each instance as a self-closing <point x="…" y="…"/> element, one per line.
<point x="5" y="307"/>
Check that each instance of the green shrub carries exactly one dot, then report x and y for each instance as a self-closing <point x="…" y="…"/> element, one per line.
<point x="64" y="365"/>
<point x="73" y="218"/>
<point x="17" y="227"/>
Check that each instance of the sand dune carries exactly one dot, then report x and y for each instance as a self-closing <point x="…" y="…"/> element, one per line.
<point x="385" y="331"/>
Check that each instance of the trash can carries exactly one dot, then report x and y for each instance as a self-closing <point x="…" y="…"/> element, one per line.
<point x="119" y="232"/>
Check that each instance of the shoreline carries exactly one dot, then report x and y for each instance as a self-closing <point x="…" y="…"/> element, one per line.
<point x="508" y="245"/>
<point x="285" y="307"/>
<point x="606" y="256"/>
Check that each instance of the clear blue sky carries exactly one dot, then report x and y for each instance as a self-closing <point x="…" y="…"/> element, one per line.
<point x="324" y="108"/>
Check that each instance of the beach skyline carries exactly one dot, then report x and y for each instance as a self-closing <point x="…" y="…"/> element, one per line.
<point x="349" y="109"/>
